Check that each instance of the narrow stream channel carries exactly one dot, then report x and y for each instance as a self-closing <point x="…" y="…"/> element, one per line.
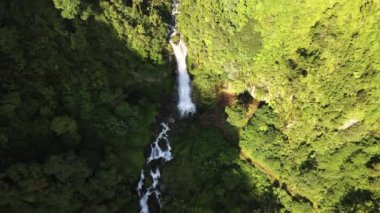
<point x="160" y="149"/>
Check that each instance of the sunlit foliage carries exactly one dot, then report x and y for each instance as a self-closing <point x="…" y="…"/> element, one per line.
<point x="315" y="64"/>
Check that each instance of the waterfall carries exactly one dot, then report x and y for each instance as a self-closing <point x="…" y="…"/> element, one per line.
<point x="160" y="149"/>
<point x="185" y="105"/>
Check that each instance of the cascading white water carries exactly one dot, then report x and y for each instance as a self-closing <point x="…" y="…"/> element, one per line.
<point x="185" y="105"/>
<point x="160" y="149"/>
<point x="156" y="153"/>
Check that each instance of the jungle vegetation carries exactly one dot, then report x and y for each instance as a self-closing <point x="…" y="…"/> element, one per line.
<point x="314" y="66"/>
<point x="288" y="94"/>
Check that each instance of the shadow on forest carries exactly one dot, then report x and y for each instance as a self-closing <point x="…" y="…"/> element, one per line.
<point x="76" y="106"/>
<point x="207" y="173"/>
<point x="75" y="117"/>
<point x="66" y="57"/>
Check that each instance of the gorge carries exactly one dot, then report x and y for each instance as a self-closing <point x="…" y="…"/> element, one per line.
<point x="97" y="108"/>
<point x="185" y="108"/>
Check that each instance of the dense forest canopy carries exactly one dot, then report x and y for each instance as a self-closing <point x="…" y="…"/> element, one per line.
<point x="78" y="82"/>
<point x="315" y="65"/>
<point x="288" y="94"/>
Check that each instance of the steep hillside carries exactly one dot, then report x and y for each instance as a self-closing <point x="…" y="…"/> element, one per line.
<point x="316" y="67"/>
<point x="287" y="95"/>
<point x="77" y="101"/>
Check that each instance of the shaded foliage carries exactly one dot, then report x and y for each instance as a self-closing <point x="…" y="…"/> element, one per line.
<point x="77" y="102"/>
<point x="207" y="175"/>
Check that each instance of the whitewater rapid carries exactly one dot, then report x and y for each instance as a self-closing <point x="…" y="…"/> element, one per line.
<point x="160" y="149"/>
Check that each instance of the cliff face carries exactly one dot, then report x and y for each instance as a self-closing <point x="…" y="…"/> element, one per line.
<point x="315" y="64"/>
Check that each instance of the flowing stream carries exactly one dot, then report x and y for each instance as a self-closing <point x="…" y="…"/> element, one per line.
<point x="160" y="149"/>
